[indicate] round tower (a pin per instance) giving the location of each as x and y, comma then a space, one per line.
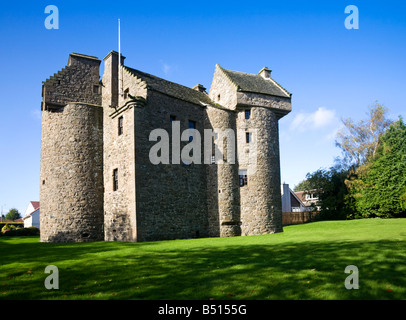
223, 188
71, 191
261, 198
71, 174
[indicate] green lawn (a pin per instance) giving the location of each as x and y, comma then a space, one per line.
303, 262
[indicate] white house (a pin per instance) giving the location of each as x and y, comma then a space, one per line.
290, 201
31, 217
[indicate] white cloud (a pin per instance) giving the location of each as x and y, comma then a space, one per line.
321, 118
167, 68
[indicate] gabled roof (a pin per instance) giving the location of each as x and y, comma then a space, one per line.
292, 193
172, 89
35, 204
255, 83
30, 214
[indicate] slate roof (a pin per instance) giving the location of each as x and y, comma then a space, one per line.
248, 82
172, 89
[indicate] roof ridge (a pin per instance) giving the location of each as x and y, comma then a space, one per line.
159, 78
171, 88
232, 73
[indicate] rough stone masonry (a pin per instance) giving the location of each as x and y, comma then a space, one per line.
98, 182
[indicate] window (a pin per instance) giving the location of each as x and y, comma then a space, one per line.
310, 196
96, 89
115, 179
247, 114
243, 178
218, 97
248, 137
120, 125
126, 91
192, 125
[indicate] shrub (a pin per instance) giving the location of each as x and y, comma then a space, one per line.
33, 231
30, 231
8, 227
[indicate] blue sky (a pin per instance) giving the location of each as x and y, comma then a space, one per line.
331, 71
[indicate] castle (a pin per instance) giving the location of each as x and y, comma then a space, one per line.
97, 178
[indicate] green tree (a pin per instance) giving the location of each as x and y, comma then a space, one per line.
380, 188
332, 192
13, 214
303, 186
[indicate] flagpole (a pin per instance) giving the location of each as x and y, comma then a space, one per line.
119, 61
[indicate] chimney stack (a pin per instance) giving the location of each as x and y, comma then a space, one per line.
265, 73
200, 88
110, 78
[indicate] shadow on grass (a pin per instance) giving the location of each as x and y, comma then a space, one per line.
111, 270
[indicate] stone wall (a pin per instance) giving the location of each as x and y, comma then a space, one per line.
222, 91
171, 198
279, 105
77, 82
119, 153
71, 192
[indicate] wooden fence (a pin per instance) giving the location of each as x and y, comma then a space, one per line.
297, 217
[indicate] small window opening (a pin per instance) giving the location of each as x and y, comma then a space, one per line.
115, 179
248, 137
192, 125
120, 125
126, 91
243, 178
247, 114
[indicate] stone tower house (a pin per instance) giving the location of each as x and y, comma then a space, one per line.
97, 178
